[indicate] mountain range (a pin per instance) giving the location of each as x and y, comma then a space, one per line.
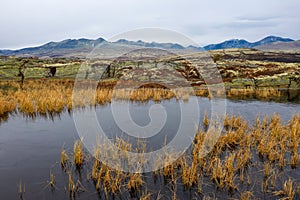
236, 43
81, 47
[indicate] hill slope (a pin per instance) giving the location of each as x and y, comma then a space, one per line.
281, 46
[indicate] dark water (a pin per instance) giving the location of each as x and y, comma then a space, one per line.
30, 148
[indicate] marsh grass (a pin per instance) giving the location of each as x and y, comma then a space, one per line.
74, 187
71, 186
64, 158
288, 190
44, 96
247, 195
242, 156
226, 165
52, 180
135, 182
21, 190
78, 153
205, 120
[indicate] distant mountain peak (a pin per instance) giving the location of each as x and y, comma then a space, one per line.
271, 39
241, 43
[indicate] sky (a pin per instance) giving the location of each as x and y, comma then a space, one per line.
36, 22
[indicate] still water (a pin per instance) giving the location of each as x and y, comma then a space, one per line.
30, 147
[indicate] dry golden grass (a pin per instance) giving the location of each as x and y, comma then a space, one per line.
288, 190
260, 93
74, 187
146, 196
53, 96
227, 165
71, 186
42, 96
267, 169
247, 195
135, 182
64, 158
205, 120
7, 104
78, 153
21, 190
52, 180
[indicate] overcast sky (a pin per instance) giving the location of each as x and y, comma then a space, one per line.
34, 22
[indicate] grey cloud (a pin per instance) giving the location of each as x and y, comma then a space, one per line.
32, 22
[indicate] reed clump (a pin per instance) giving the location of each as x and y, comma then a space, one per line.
52, 180
260, 93
74, 187
64, 158
7, 104
288, 190
135, 182
78, 153
242, 154
21, 190
247, 195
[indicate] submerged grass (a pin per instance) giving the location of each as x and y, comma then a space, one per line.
64, 158
242, 158
21, 190
78, 153
52, 180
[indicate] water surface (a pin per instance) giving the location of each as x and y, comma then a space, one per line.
30, 148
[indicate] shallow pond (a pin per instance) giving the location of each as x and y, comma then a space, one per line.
30, 147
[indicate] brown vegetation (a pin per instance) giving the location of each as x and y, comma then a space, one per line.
228, 166
44, 96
